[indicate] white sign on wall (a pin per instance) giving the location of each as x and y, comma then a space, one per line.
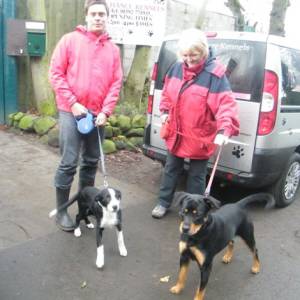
137, 22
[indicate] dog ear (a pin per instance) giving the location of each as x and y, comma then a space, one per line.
179, 197
118, 194
212, 202
101, 198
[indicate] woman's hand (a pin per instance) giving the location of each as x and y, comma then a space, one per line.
221, 139
164, 118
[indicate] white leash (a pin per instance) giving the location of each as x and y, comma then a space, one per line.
212, 175
208, 187
105, 182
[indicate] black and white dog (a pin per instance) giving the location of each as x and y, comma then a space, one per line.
104, 205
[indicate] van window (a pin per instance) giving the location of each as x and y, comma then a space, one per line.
290, 69
244, 61
167, 56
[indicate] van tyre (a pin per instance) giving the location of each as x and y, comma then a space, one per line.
285, 189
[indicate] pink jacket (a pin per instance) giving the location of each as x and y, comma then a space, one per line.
86, 68
198, 110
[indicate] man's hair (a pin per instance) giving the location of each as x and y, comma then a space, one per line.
89, 3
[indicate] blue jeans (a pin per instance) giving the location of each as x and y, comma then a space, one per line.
74, 145
196, 180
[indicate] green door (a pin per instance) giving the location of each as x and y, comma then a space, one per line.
1, 66
8, 67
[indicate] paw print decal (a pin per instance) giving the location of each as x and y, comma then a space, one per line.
238, 151
150, 33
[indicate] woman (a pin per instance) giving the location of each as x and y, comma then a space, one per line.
198, 105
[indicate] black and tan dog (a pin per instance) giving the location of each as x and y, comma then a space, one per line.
105, 206
205, 233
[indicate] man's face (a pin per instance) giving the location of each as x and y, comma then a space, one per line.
96, 18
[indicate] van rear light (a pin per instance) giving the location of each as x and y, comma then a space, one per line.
268, 110
150, 104
151, 90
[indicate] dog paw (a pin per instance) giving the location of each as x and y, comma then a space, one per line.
100, 257
226, 259
255, 270
77, 232
123, 251
90, 226
99, 263
176, 289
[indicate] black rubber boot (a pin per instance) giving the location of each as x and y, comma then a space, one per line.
63, 219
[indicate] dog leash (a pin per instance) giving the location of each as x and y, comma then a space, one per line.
205, 141
105, 182
211, 178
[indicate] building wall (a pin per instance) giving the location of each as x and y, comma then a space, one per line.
218, 21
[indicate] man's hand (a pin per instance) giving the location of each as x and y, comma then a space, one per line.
78, 109
221, 139
101, 119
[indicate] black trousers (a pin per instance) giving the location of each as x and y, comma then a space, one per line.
196, 180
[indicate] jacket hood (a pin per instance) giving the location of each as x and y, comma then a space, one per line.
212, 65
101, 38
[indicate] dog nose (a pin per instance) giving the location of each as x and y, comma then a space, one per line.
185, 228
115, 207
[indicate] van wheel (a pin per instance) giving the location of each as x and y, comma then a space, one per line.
285, 189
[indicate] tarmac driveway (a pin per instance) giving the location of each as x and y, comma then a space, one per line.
39, 262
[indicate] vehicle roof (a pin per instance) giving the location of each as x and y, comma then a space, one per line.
249, 36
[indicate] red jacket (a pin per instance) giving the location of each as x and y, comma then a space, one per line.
198, 109
86, 68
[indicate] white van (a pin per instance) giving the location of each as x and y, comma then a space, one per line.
264, 73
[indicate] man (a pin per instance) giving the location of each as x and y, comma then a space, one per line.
86, 75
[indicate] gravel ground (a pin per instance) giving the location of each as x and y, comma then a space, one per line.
127, 166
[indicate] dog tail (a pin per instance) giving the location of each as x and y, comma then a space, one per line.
53, 212
258, 198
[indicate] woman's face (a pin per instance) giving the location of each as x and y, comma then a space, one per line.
191, 57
